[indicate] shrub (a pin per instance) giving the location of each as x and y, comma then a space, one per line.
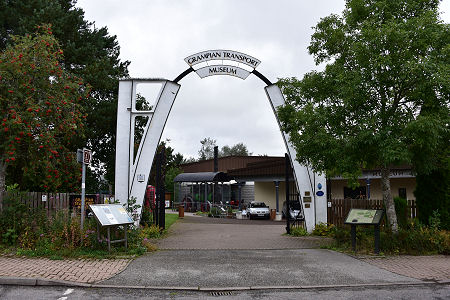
414, 239
151, 232
324, 229
433, 193
299, 231
400, 210
214, 211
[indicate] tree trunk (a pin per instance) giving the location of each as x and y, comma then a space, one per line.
387, 199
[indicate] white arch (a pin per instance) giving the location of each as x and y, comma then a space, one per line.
132, 174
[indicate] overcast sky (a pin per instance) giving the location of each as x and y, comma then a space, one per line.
156, 36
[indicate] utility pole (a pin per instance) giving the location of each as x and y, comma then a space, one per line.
84, 156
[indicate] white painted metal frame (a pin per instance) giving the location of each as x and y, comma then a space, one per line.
305, 179
132, 175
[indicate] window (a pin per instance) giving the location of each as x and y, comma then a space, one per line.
402, 193
357, 193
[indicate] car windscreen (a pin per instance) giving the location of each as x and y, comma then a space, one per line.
258, 204
295, 205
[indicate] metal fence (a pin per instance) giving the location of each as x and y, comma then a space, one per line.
338, 209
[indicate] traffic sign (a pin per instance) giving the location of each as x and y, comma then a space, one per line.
87, 156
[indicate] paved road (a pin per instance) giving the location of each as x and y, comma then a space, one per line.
429, 291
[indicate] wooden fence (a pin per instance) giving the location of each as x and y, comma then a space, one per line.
339, 208
54, 201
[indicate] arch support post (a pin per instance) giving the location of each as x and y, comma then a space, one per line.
133, 169
314, 207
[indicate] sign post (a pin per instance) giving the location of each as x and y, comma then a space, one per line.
365, 217
84, 156
111, 215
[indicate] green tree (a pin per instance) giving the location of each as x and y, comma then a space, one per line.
41, 112
172, 162
386, 60
90, 53
239, 149
207, 149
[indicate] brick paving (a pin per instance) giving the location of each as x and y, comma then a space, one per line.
434, 267
75, 270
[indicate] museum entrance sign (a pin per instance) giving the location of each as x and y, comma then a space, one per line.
133, 166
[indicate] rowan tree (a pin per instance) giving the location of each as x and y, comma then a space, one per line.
40, 112
91, 53
387, 62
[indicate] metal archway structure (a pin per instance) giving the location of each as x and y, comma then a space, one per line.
133, 169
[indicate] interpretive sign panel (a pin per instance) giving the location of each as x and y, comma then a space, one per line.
111, 214
364, 216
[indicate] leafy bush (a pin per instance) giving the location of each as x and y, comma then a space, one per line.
414, 239
400, 210
214, 212
299, 231
151, 232
324, 229
433, 193
33, 232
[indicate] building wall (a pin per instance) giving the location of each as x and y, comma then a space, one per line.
337, 188
265, 192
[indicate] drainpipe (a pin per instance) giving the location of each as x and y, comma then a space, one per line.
277, 186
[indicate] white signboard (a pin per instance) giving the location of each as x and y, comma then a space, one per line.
222, 55
222, 70
111, 214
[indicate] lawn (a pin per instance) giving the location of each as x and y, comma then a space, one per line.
170, 219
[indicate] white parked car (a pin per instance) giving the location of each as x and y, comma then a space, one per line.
258, 210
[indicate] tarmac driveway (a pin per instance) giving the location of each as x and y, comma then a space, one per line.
231, 253
194, 232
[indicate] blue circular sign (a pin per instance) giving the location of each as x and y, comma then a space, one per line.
319, 186
320, 193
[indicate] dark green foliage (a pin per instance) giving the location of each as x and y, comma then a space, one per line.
90, 53
171, 166
13, 219
414, 239
433, 194
207, 149
239, 149
400, 209
383, 97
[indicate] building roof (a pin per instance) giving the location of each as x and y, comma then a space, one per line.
225, 164
202, 177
